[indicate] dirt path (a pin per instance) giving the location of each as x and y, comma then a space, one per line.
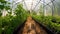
31, 27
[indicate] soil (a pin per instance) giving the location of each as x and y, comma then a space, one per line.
31, 27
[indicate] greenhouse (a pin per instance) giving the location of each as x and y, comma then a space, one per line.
29, 16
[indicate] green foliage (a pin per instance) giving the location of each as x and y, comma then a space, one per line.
47, 21
0, 25
9, 23
3, 4
0, 13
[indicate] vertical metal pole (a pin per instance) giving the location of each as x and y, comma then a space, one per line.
52, 7
43, 7
12, 6
31, 6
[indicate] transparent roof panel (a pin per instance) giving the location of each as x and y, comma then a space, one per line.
46, 6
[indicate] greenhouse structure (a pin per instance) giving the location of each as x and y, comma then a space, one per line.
29, 16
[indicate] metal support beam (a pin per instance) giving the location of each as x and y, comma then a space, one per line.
53, 7
43, 8
36, 4
25, 4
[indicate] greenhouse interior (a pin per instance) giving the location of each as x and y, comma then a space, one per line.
29, 16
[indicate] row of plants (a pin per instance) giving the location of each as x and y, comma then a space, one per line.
0, 25
9, 22
50, 22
